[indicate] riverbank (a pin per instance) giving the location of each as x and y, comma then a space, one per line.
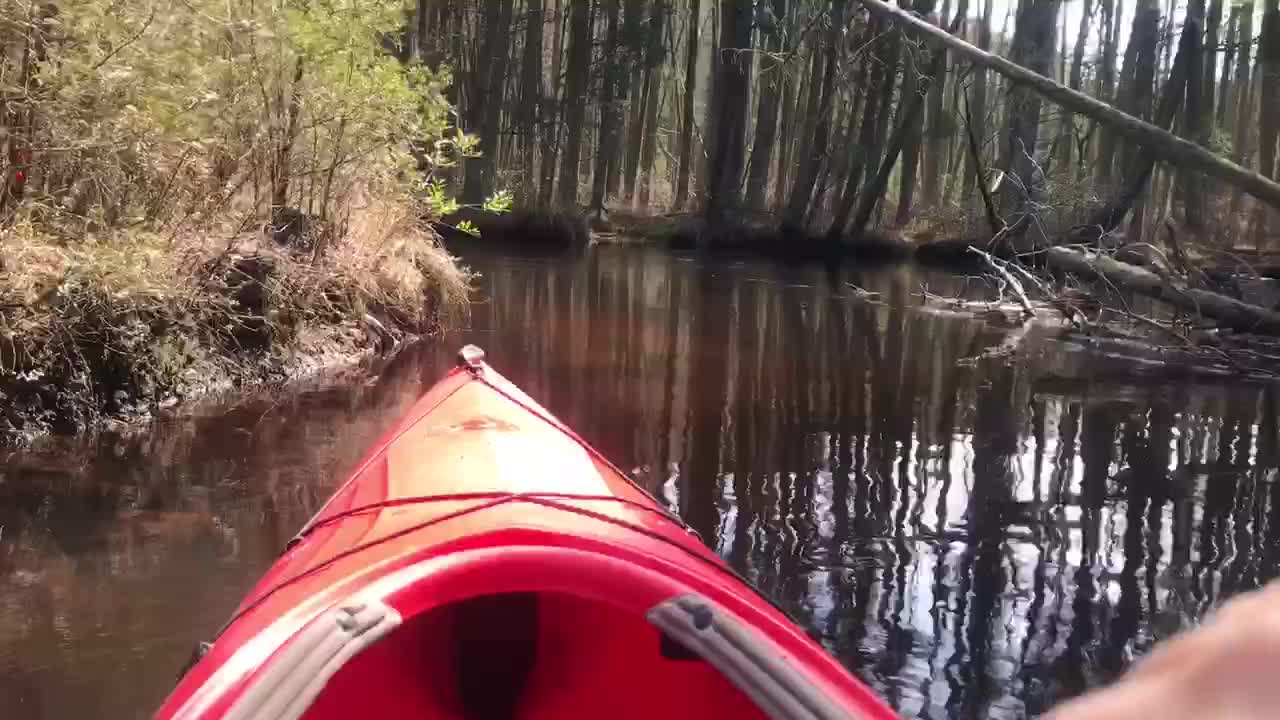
102, 331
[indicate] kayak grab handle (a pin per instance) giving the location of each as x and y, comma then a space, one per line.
752, 664
471, 358
288, 685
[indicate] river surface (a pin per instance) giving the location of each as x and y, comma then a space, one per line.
977, 524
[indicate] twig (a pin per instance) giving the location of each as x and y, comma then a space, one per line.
132, 39
1008, 278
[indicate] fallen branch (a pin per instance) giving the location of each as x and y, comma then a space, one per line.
1226, 311
1172, 149
1009, 279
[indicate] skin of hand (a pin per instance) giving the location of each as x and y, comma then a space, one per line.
1226, 668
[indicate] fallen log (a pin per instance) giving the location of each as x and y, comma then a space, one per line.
1172, 149
1226, 311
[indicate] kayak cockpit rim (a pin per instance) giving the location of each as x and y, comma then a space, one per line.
485, 501
744, 651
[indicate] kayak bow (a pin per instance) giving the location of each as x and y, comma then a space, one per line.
483, 561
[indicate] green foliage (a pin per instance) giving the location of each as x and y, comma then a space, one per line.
189, 114
438, 198
499, 202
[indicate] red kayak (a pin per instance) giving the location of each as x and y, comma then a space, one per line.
483, 561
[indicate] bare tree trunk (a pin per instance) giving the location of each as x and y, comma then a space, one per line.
914, 125
1213, 30
575, 98
610, 107
653, 58
1174, 92
980, 110
648, 149
1143, 46
817, 111
1106, 90
685, 152
908, 115
282, 171
771, 72
1245, 79
935, 157
1227, 311
1268, 109
1224, 115
806, 117
530, 98
1033, 49
1195, 124
491, 77
733, 63
1066, 126
1171, 148
710, 117
880, 73
633, 37
550, 109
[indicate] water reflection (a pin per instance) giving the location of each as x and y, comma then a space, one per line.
975, 533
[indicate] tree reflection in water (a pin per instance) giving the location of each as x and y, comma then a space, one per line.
975, 533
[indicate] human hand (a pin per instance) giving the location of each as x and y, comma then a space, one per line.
1226, 668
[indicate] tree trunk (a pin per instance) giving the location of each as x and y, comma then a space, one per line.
1171, 148
1143, 45
733, 104
1226, 311
649, 146
913, 124
653, 58
807, 169
491, 76
1223, 113
685, 151
879, 74
1268, 109
979, 115
1195, 124
1174, 92
284, 151
633, 36
1245, 79
610, 107
935, 157
1066, 127
813, 155
771, 72
1213, 30
1106, 91
550, 109
908, 114
710, 118
530, 97
575, 98
786, 123
1033, 49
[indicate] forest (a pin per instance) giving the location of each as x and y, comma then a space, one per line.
203, 194
1130, 141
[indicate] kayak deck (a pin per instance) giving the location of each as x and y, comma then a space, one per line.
485, 562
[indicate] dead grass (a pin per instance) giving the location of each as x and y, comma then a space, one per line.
137, 316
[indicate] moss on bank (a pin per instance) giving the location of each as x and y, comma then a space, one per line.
103, 328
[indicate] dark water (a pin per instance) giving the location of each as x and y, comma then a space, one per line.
977, 527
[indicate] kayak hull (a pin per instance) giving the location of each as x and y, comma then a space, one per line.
515, 573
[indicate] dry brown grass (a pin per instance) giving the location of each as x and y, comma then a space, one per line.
141, 312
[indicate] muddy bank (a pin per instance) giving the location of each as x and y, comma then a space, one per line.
114, 335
